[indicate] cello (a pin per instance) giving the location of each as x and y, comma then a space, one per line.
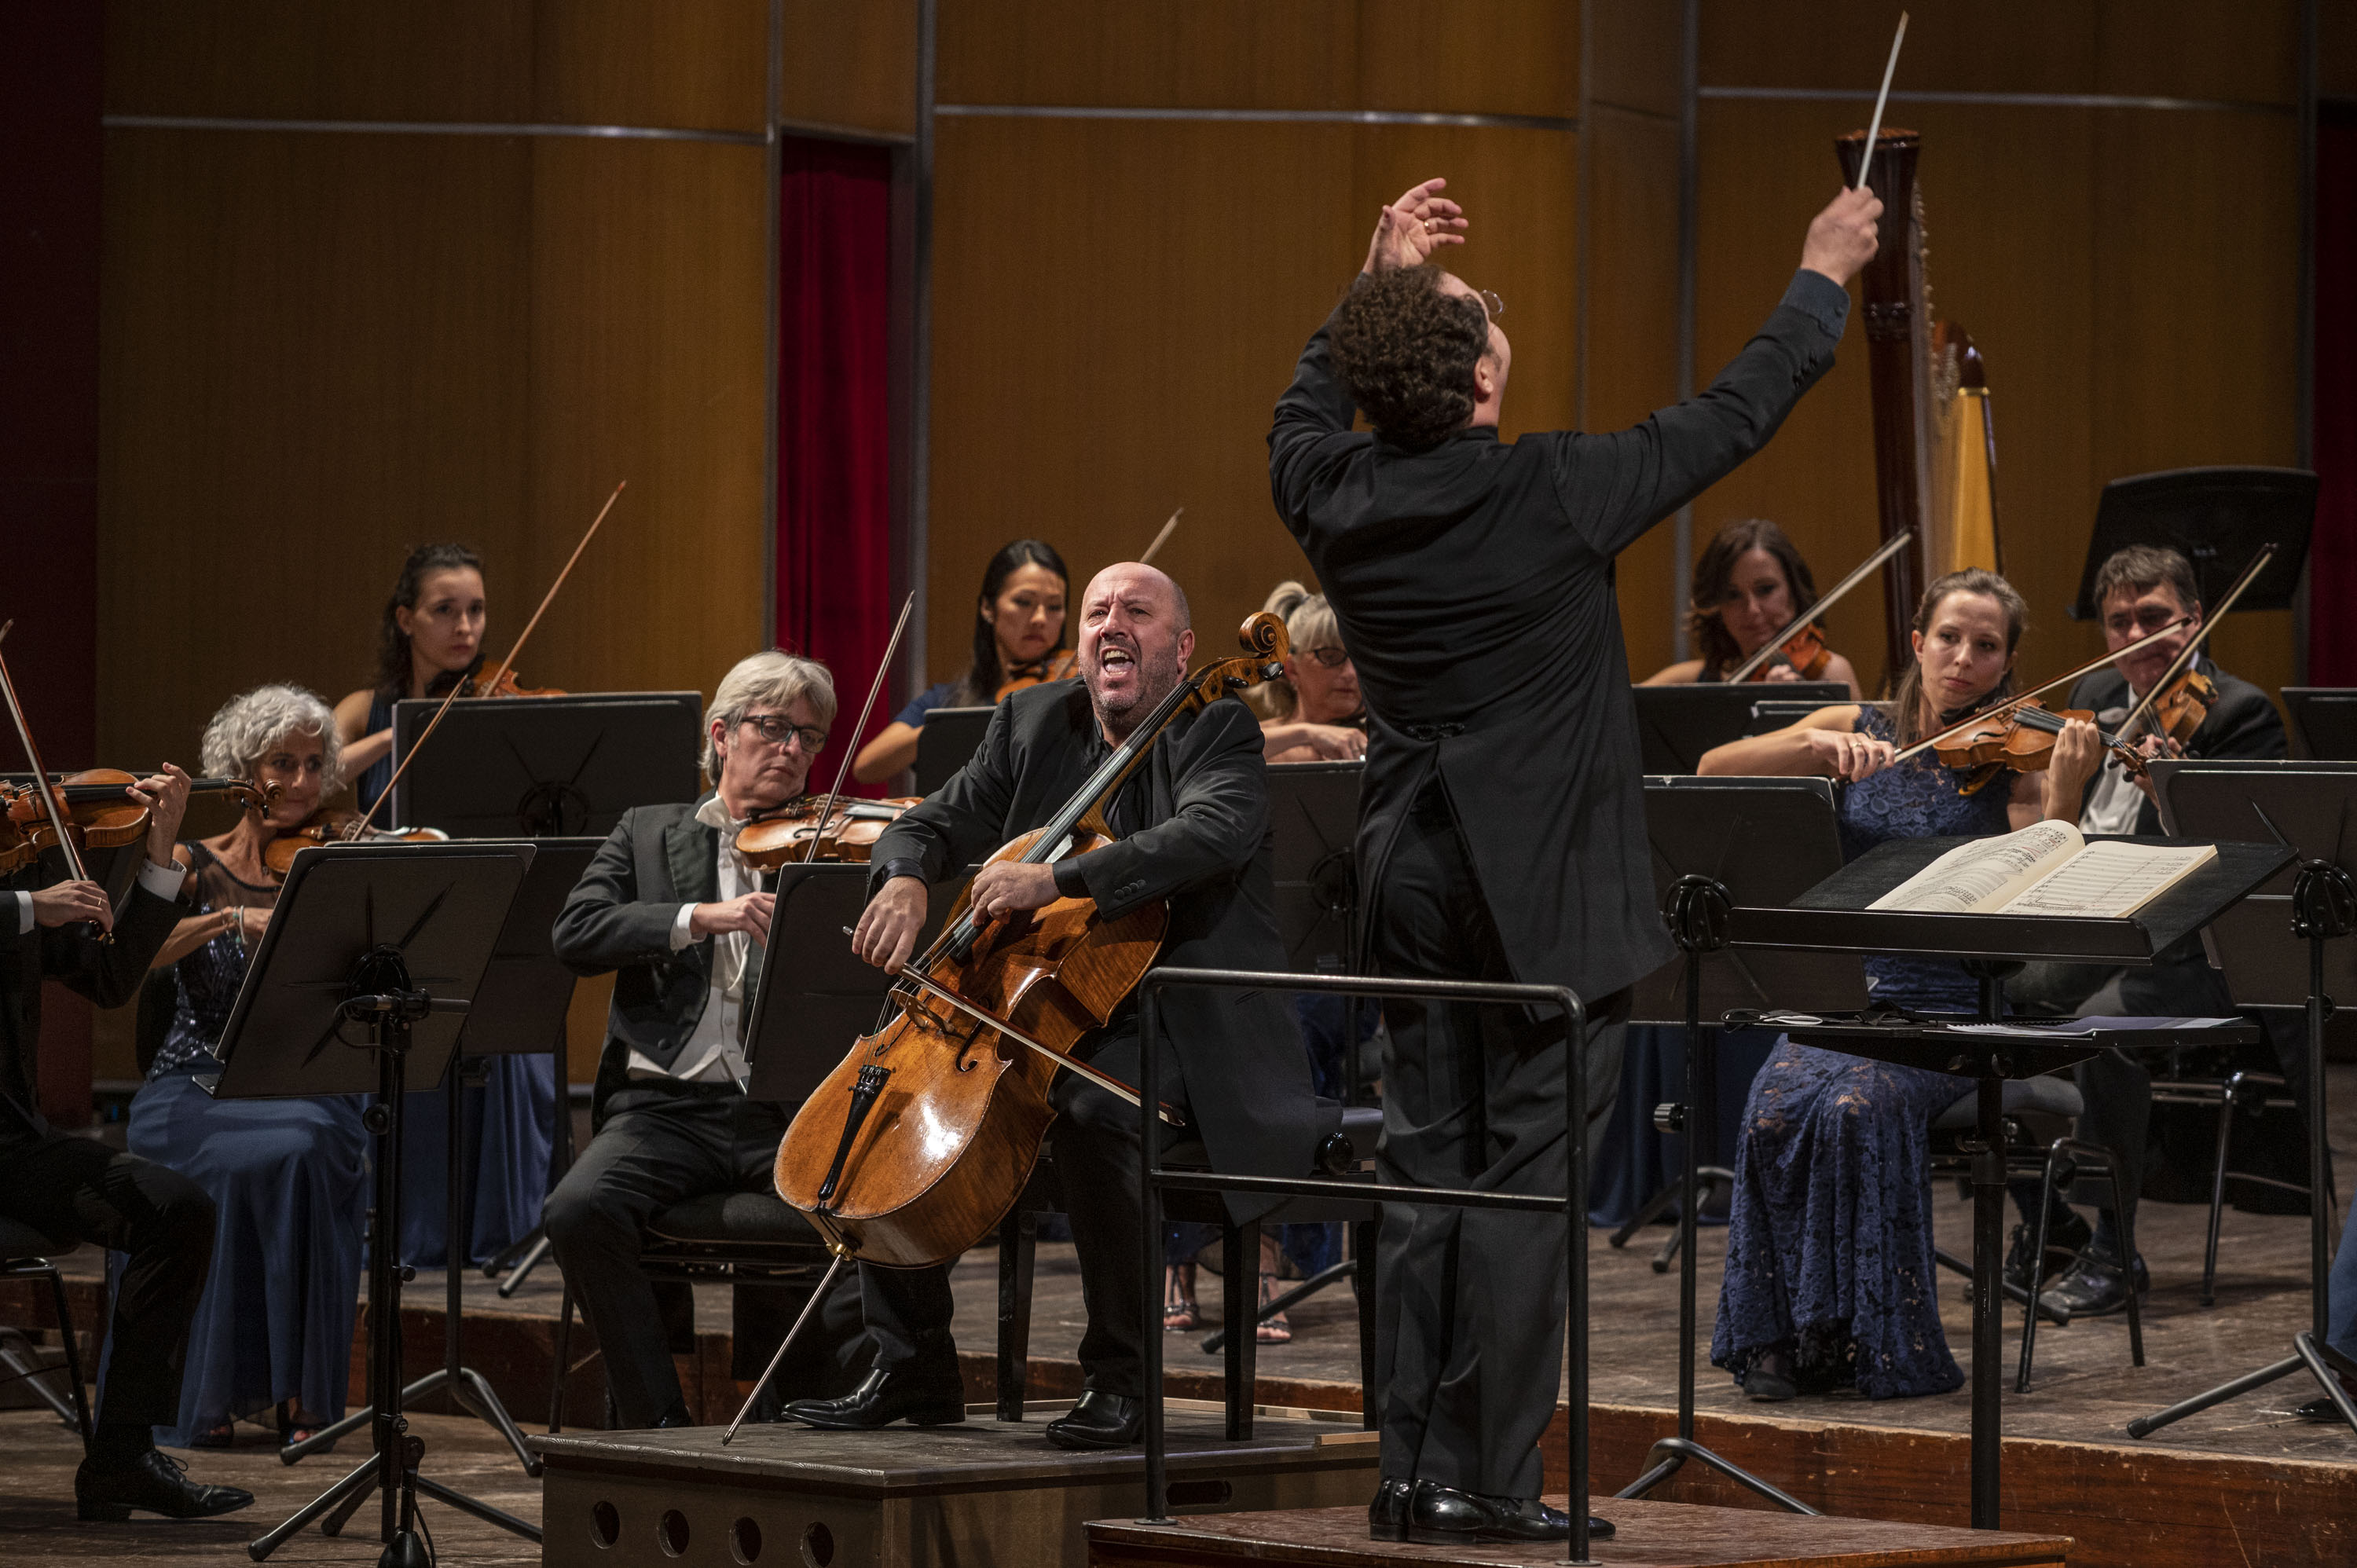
922, 1137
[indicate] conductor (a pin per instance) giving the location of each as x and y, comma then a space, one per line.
1501, 825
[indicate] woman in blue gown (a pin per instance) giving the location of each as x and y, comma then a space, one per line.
430, 637
289, 1176
1829, 1278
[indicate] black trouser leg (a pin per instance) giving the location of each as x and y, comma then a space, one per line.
909, 1312
2118, 1116
1469, 1327
1096, 1147
162, 1222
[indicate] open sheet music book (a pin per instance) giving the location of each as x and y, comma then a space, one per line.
2048, 868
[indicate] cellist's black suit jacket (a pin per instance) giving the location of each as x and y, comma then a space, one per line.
1192, 826
1474, 584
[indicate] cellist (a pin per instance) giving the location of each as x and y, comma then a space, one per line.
1192, 829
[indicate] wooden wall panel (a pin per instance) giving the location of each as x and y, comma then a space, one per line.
648, 317
1083, 388
1635, 47
1992, 45
696, 64
1189, 54
1507, 57
2244, 53
851, 65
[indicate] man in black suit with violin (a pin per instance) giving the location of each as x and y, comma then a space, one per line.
1501, 825
1192, 828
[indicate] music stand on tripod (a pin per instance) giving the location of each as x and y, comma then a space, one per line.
518, 1008
545, 766
1717, 842
392, 938
2272, 949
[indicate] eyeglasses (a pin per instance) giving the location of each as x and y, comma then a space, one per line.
778, 730
1497, 306
1331, 658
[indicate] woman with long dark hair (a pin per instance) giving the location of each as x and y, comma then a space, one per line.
1749, 582
431, 636
1018, 641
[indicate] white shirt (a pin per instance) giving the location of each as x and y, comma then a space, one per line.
164, 881
715, 1053
2114, 801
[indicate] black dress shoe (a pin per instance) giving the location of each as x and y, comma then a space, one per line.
2066, 1235
1387, 1515
2322, 1408
921, 1397
2096, 1286
1100, 1421
152, 1482
1444, 1516
1770, 1378
673, 1418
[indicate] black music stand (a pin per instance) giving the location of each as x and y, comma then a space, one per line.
2261, 946
1717, 842
1675, 724
393, 938
1771, 713
546, 766
815, 995
1833, 916
2324, 721
950, 737
518, 1008
2215, 518
1313, 812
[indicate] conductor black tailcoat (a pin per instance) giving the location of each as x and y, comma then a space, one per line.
1474, 584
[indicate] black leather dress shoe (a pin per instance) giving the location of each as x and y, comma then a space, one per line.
1442, 1516
920, 1397
2066, 1234
151, 1483
2096, 1286
1387, 1515
2321, 1407
1100, 1419
673, 1418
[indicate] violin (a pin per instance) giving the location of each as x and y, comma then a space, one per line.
2022, 738
924, 1134
1061, 665
1805, 652
2181, 705
326, 826
1801, 643
504, 684
95, 811
775, 837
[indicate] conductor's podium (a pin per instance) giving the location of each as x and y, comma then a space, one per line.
984, 1493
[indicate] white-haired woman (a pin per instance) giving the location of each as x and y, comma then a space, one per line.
1315, 713
273, 1330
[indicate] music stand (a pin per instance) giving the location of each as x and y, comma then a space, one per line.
1771, 713
546, 766
394, 938
1834, 917
518, 1007
949, 738
2215, 518
2324, 718
815, 995
1715, 842
1675, 724
2261, 946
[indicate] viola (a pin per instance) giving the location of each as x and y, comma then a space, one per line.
848, 832
1061, 665
326, 826
923, 1135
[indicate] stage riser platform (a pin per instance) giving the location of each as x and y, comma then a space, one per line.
986, 1495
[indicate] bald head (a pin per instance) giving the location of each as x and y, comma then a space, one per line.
1134, 640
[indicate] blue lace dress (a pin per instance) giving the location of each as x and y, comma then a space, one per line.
1829, 1241
289, 1178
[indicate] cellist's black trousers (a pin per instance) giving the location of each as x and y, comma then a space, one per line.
1094, 1144
1468, 1324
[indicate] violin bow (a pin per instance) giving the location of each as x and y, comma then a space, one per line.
843, 771
1874, 126
1148, 559
1864, 569
505, 664
2006, 708
41, 777
2142, 712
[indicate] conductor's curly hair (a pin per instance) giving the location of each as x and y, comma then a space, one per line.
1406, 351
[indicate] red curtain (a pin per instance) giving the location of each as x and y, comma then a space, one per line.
2332, 558
833, 588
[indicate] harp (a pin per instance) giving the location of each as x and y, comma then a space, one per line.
1934, 444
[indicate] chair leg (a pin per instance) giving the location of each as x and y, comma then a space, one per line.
1363, 1255
1239, 1308
73, 1354
2217, 1193
2046, 1185
556, 1376
2124, 1208
1018, 1253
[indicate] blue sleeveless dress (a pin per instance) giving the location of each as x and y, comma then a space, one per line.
1829, 1239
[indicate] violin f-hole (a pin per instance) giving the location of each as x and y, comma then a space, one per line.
870, 1084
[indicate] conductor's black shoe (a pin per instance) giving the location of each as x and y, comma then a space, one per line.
2096, 1286
919, 1396
1443, 1516
1100, 1419
152, 1482
1387, 1515
677, 1416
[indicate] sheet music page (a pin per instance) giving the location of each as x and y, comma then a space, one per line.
1977, 878
2110, 879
